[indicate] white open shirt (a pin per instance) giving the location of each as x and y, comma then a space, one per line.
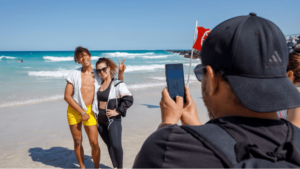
75, 78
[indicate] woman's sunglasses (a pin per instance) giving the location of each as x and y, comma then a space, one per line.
100, 70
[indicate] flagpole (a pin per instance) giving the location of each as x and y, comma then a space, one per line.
192, 52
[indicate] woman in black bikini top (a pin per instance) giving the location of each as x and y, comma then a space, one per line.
114, 99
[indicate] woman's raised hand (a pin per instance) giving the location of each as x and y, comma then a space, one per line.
122, 66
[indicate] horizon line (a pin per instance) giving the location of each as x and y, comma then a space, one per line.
89, 50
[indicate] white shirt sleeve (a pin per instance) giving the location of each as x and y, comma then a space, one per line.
123, 90
71, 77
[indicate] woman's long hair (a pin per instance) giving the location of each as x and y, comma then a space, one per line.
294, 64
109, 63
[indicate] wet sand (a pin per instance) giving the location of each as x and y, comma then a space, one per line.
38, 135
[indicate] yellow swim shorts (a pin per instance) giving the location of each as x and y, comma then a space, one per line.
74, 117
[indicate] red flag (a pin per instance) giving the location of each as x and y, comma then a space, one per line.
202, 34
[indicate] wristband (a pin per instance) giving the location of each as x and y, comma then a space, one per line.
82, 113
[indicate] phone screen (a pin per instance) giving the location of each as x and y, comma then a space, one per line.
175, 80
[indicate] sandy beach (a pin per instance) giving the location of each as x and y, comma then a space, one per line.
38, 136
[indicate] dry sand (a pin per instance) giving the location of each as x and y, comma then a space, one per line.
38, 135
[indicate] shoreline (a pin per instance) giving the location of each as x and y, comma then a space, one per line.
37, 135
144, 86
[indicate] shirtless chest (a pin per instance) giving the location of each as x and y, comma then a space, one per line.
87, 88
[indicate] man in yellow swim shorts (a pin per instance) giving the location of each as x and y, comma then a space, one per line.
80, 95
74, 117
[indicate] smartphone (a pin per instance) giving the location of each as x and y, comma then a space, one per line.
175, 80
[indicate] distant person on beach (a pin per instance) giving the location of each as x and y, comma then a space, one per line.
114, 99
244, 83
21, 60
82, 84
18, 60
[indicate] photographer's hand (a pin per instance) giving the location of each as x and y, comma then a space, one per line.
171, 111
189, 115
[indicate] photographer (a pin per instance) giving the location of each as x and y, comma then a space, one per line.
244, 83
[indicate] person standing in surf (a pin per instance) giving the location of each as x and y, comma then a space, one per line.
80, 95
114, 99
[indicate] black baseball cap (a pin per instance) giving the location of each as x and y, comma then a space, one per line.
253, 54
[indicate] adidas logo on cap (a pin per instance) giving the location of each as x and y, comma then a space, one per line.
274, 61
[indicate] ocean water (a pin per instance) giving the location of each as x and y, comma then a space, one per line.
41, 77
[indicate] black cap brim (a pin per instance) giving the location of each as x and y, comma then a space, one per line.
265, 94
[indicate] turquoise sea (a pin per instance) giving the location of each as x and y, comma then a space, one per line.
41, 77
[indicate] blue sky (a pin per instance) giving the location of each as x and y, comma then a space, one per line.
126, 24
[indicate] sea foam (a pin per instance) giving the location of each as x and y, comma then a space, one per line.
125, 54
149, 55
193, 64
31, 101
192, 78
65, 73
155, 57
57, 73
7, 57
143, 68
149, 85
62, 59
145, 85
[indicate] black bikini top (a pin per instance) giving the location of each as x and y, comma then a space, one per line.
103, 95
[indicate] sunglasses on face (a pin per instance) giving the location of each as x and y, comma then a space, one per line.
100, 70
199, 71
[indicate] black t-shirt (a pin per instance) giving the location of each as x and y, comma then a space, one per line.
173, 147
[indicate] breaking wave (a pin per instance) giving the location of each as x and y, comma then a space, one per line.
31, 101
149, 55
125, 54
143, 68
57, 73
193, 64
145, 85
62, 59
7, 57
65, 73
192, 78
155, 57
